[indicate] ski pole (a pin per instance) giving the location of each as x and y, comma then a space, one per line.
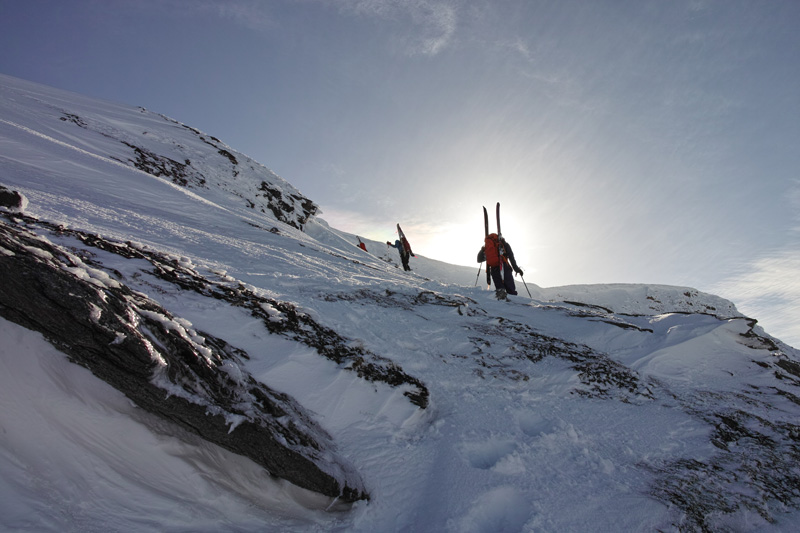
479, 274
526, 285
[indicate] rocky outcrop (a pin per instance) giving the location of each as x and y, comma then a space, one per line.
185, 376
278, 317
194, 160
12, 200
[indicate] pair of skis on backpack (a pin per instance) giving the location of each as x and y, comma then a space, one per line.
404, 241
501, 292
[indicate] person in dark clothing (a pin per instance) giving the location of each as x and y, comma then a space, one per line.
500, 263
404, 253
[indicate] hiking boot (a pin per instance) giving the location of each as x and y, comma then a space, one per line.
500, 294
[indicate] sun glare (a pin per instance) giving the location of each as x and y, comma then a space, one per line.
458, 242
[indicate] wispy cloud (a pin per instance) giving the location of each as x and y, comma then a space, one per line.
768, 289
434, 21
770, 292
248, 14
425, 27
251, 14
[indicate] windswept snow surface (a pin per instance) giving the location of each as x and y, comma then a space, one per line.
575, 410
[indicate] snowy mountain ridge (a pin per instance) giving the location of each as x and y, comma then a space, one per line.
609, 407
158, 146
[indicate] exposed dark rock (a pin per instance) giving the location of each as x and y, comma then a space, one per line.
603, 314
190, 378
756, 467
790, 366
280, 318
600, 376
590, 306
75, 119
228, 155
292, 209
180, 173
12, 200
392, 299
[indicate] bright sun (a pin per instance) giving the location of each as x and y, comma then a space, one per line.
458, 242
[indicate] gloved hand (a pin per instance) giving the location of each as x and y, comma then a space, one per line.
518, 270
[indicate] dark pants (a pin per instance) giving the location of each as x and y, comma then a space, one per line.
404, 256
504, 281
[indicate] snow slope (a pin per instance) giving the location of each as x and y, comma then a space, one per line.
583, 408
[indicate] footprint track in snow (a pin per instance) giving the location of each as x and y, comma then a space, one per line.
534, 425
503, 454
488, 453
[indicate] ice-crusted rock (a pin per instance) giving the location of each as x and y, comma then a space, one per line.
188, 377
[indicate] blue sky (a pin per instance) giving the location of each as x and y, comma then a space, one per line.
627, 141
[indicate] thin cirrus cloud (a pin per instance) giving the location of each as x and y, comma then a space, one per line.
248, 13
769, 287
435, 21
